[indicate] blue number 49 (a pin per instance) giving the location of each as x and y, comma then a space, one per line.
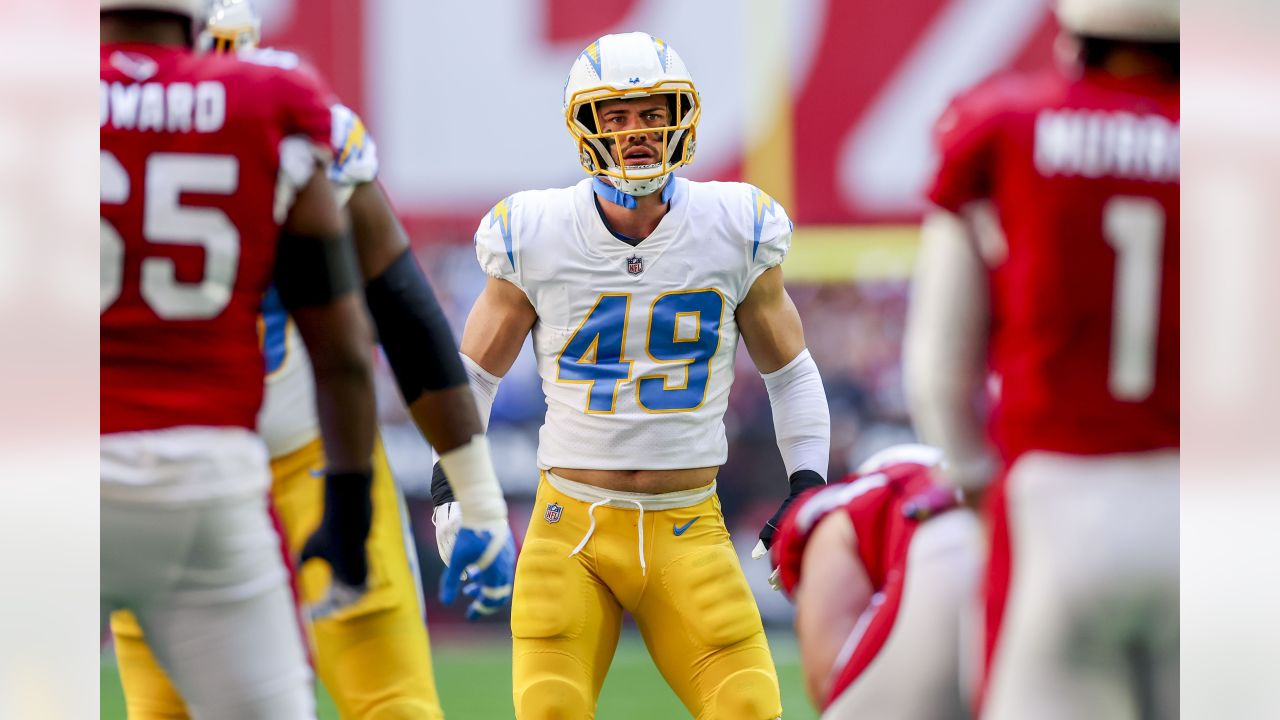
683, 328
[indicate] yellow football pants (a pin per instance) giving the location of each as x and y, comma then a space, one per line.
691, 602
373, 657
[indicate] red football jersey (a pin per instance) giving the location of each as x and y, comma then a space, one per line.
875, 504
1083, 176
190, 168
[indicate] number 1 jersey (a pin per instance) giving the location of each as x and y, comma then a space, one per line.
635, 344
1072, 185
201, 157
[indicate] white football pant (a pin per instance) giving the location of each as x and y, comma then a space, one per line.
205, 574
916, 674
1090, 628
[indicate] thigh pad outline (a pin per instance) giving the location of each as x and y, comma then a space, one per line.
712, 596
547, 599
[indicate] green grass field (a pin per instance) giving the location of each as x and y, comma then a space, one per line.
475, 683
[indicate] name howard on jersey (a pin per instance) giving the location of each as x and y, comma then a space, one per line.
163, 107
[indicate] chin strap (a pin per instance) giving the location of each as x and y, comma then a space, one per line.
605, 189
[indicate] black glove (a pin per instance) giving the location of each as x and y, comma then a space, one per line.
340, 539
801, 480
441, 491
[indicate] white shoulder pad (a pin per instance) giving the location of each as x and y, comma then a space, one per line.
355, 157
270, 57
298, 160
770, 231
496, 244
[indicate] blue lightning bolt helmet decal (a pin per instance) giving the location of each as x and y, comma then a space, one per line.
660, 47
592, 53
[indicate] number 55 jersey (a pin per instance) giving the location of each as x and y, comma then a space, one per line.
635, 344
201, 158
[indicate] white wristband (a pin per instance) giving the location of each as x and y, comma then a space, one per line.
475, 485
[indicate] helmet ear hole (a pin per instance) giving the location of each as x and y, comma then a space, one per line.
587, 118
680, 105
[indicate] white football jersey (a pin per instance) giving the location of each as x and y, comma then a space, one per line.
635, 345
288, 419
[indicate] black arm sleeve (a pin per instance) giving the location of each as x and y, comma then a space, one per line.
313, 271
413, 330
441, 491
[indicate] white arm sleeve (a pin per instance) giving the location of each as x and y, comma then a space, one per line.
945, 349
801, 419
484, 388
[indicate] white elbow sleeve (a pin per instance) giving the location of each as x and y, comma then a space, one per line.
801, 419
484, 388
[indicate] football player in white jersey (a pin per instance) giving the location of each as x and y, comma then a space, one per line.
371, 647
636, 285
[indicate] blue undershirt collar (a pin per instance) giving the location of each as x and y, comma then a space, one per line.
605, 189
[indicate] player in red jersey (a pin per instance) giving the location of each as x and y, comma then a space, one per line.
372, 654
880, 566
213, 187
1049, 275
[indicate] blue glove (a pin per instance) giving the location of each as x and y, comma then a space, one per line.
488, 559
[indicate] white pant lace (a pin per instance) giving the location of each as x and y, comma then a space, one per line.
616, 498
591, 513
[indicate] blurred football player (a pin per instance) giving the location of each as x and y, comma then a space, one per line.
212, 189
882, 566
636, 285
1051, 262
372, 653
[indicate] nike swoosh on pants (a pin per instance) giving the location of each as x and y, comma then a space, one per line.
679, 529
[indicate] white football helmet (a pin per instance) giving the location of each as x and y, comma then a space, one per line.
926, 455
232, 26
1140, 20
193, 9
630, 65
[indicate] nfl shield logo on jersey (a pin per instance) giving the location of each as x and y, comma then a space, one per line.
553, 512
635, 265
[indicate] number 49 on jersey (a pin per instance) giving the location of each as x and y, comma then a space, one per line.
682, 333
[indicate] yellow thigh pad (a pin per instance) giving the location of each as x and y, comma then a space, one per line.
548, 592
564, 620
715, 657
714, 600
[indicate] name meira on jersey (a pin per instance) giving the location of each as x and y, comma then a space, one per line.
635, 344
